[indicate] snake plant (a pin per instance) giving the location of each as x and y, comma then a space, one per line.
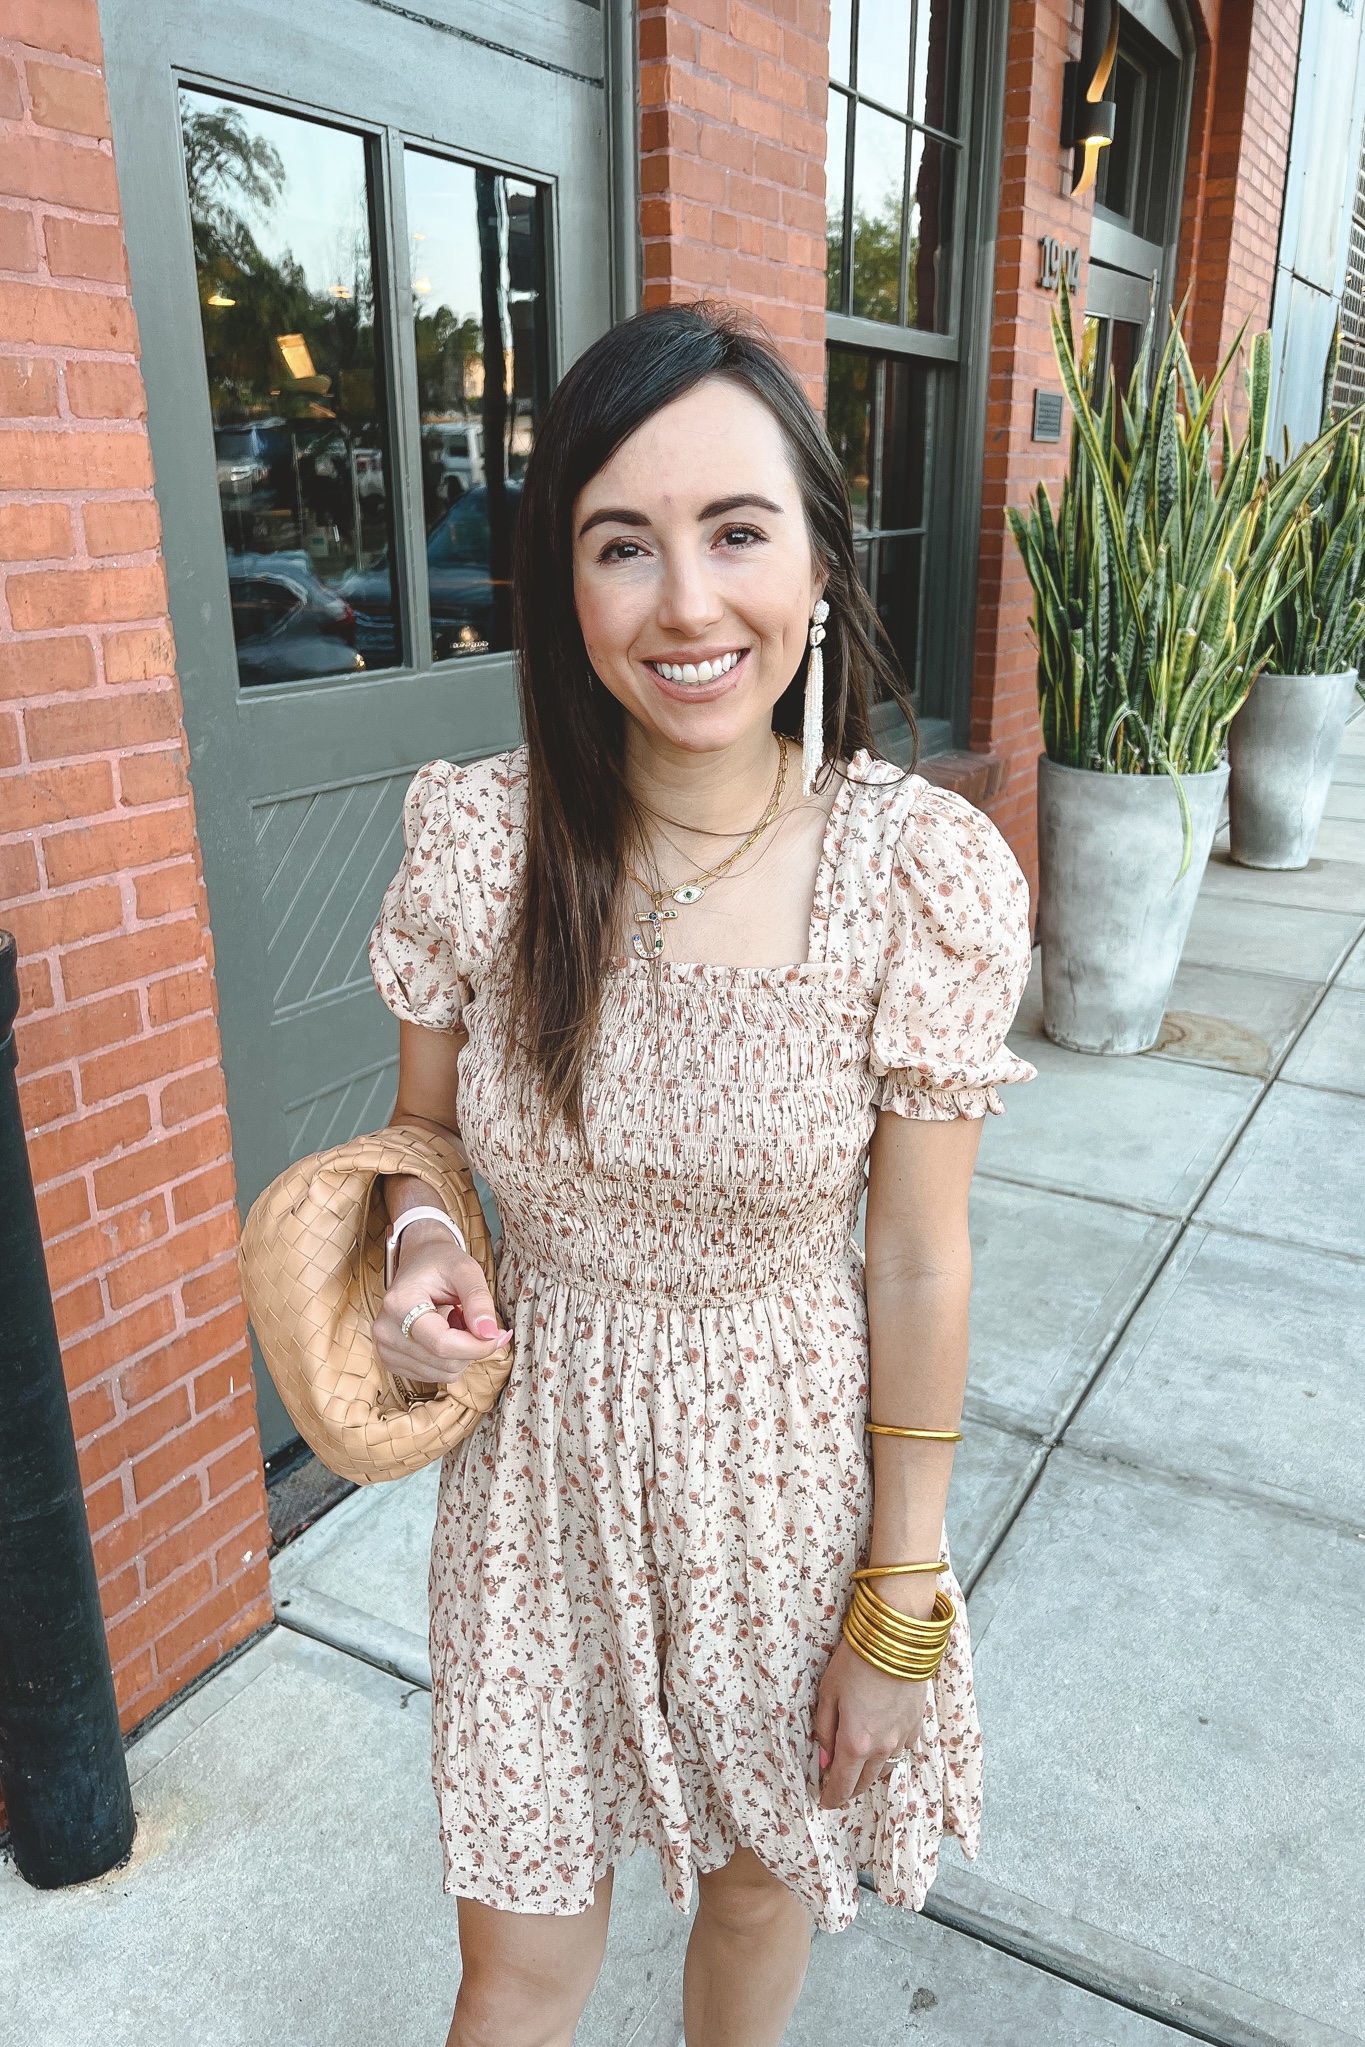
1154, 581
1318, 625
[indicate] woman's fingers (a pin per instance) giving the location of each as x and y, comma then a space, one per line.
459, 1327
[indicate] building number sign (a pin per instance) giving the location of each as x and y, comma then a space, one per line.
1055, 262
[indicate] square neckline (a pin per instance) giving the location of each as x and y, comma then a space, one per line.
817, 929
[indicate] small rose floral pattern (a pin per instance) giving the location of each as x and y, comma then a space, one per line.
643, 1555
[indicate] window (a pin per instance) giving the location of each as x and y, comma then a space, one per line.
893, 168
877, 425
296, 337
1136, 196
892, 159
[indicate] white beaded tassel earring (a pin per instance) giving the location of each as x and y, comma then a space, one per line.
813, 726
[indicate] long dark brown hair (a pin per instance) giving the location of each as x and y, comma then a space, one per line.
583, 824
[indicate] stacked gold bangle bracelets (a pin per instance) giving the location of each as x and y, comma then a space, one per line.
896, 1643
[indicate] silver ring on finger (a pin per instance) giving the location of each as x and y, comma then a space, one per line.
422, 1308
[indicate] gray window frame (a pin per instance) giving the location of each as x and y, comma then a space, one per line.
956, 454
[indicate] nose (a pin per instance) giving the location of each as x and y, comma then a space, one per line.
689, 601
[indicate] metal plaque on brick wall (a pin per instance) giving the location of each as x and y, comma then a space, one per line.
1047, 415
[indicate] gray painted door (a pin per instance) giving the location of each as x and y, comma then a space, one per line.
363, 241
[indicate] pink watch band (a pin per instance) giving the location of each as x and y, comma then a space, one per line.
417, 1215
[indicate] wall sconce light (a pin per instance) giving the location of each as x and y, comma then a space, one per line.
1087, 116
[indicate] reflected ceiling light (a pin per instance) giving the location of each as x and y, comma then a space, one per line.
339, 291
297, 358
422, 284
1087, 116
220, 298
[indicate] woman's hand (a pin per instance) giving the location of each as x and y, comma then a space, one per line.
862, 1720
439, 1347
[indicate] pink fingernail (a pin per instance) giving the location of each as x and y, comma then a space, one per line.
824, 1760
485, 1326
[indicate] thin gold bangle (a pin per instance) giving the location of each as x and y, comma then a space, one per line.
895, 1570
914, 1435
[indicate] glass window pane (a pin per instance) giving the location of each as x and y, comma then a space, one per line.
905, 439
897, 598
878, 198
835, 158
481, 336
280, 214
840, 39
938, 64
884, 52
928, 294
851, 389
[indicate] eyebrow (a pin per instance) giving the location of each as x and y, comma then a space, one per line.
622, 515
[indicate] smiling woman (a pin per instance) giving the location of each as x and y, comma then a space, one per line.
682, 1005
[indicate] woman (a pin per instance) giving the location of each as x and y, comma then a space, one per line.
681, 1009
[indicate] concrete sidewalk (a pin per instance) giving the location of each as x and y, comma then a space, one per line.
1159, 1513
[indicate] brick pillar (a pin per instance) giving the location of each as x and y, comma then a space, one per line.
1240, 123
732, 162
1035, 200
100, 880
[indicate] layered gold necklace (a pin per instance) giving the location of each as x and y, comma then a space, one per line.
650, 944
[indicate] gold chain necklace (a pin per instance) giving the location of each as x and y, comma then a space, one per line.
692, 891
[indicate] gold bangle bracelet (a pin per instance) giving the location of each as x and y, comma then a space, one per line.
916, 1669
896, 1644
931, 1637
914, 1435
895, 1570
905, 1625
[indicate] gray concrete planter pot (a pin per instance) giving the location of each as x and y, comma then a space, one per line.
1282, 745
1112, 917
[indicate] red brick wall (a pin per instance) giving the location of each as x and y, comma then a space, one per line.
732, 162
1239, 143
121, 1082
1034, 201
1240, 125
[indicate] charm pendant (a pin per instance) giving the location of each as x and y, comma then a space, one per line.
649, 949
690, 892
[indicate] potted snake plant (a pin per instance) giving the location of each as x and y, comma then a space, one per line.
1152, 584
1283, 742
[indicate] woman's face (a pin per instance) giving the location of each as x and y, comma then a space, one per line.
694, 575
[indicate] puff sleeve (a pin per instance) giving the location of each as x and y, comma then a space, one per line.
418, 953
957, 958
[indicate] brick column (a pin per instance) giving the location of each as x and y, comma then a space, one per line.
100, 880
733, 100
1035, 200
1240, 123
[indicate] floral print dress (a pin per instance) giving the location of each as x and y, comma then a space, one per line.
642, 1557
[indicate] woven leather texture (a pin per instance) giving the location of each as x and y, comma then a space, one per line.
312, 1266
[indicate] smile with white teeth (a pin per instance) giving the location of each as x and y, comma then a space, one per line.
700, 671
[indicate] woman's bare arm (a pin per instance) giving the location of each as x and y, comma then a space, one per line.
430, 1264
919, 1280
919, 1275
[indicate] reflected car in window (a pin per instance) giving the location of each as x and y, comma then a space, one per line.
288, 626
459, 576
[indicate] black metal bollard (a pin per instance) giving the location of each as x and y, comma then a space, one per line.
62, 1770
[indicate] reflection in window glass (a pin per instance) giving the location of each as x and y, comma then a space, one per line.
931, 213
840, 39
904, 441
835, 157
884, 51
280, 213
896, 593
479, 327
878, 197
848, 420
938, 41
878, 423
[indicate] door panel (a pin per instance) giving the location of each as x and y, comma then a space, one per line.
305, 467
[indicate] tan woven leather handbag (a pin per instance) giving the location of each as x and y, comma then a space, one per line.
312, 1265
